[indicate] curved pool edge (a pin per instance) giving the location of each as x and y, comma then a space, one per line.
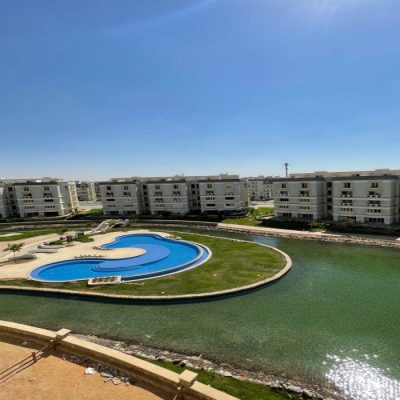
189, 296
134, 278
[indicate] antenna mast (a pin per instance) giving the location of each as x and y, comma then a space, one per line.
286, 169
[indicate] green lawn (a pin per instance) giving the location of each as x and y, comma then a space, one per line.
234, 387
28, 234
250, 218
233, 264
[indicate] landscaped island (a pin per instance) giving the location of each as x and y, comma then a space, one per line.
234, 265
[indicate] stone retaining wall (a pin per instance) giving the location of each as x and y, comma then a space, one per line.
152, 377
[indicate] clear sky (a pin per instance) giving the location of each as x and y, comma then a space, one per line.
96, 89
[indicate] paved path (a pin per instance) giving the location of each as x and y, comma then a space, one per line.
259, 229
52, 378
29, 243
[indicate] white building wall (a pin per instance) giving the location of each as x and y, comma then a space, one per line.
39, 199
4, 207
372, 199
171, 197
223, 195
86, 191
260, 189
70, 197
121, 198
295, 198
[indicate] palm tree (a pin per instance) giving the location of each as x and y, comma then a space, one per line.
16, 247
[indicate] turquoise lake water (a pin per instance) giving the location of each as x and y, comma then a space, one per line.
335, 316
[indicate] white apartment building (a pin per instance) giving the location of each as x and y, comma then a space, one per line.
44, 198
223, 195
177, 195
167, 196
366, 199
86, 191
364, 196
121, 197
260, 188
300, 198
4, 206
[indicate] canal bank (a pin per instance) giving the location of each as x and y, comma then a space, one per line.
339, 303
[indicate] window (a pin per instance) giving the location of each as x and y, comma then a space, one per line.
209, 186
108, 187
283, 186
126, 187
304, 185
26, 189
176, 187
374, 185
347, 185
46, 188
157, 187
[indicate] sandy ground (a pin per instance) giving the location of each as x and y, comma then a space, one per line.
10, 234
29, 242
52, 378
22, 269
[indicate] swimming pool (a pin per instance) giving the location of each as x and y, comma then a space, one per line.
162, 256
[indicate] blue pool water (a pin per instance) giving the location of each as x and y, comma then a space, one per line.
162, 256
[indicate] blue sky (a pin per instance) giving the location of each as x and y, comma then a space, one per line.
95, 89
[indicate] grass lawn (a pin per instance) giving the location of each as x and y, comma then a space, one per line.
233, 264
29, 234
234, 387
250, 218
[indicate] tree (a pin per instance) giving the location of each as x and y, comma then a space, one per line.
349, 223
15, 248
317, 226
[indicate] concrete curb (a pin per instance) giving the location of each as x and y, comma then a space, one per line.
255, 285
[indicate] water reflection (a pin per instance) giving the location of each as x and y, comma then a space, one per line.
359, 380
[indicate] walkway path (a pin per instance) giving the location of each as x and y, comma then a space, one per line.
52, 378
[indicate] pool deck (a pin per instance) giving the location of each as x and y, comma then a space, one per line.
22, 269
53, 378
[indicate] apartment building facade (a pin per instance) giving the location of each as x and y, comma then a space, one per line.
170, 197
366, 199
43, 198
121, 197
260, 188
4, 206
363, 196
86, 191
181, 195
300, 198
223, 195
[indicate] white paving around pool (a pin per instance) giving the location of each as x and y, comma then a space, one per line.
19, 270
